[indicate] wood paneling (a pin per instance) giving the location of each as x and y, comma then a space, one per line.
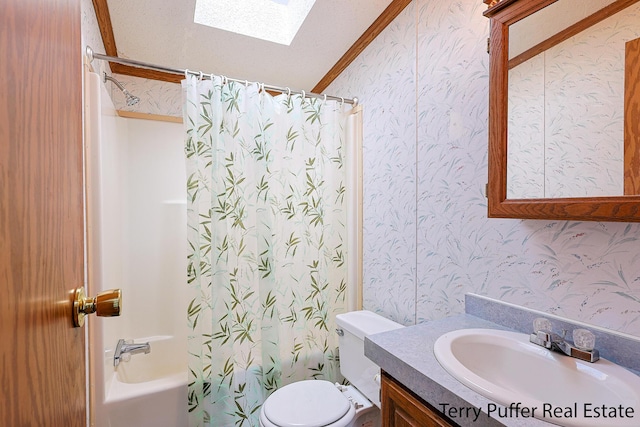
41, 213
128, 70
145, 116
106, 28
632, 118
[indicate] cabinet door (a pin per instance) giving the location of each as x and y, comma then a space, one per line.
400, 408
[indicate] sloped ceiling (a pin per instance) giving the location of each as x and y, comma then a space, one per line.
163, 32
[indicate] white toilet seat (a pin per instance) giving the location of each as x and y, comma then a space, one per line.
311, 403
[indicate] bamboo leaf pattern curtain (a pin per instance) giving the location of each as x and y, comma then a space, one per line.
267, 259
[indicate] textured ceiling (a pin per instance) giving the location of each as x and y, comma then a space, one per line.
162, 32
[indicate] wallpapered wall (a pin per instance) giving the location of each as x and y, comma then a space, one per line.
156, 97
428, 241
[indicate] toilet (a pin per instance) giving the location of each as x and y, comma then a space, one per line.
319, 403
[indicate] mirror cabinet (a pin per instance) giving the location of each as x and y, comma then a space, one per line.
564, 109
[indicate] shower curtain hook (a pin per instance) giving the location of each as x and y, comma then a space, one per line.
324, 99
288, 92
246, 83
303, 95
341, 101
186, 73
261, 88
200, 76
212, 77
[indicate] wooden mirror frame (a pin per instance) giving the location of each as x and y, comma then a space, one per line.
617, 208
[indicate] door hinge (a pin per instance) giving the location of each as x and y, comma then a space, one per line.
488, 44
486, 190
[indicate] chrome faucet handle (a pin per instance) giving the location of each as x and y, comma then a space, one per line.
541, 338
583, 347
584, 339
542, 334
541, 324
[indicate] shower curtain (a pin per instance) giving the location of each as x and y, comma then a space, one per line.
267, 253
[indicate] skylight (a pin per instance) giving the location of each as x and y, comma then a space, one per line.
276, 21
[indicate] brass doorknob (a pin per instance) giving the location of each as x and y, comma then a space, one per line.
105, 304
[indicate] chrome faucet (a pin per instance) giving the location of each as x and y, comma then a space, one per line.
125, 348
581, 348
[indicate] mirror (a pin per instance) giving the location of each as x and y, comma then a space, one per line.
566, 103
563, 138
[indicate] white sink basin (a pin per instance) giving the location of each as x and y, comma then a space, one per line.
505, 367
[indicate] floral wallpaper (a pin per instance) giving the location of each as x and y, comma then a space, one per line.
389, 162
428, 241
156, 97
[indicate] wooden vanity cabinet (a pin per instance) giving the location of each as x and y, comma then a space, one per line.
402, 408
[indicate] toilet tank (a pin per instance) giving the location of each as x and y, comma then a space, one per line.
354, 365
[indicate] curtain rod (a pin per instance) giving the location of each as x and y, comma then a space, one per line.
139, 64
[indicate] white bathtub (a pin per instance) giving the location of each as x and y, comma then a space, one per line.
150, 390
157, 403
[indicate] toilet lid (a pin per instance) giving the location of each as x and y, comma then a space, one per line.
306, 403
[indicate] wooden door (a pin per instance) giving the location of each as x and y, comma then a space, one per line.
42, 368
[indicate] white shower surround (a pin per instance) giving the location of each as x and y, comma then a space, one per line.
136, 241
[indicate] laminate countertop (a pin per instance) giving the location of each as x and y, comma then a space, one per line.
407, 355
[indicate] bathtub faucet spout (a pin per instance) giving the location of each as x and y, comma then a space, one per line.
125, 348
